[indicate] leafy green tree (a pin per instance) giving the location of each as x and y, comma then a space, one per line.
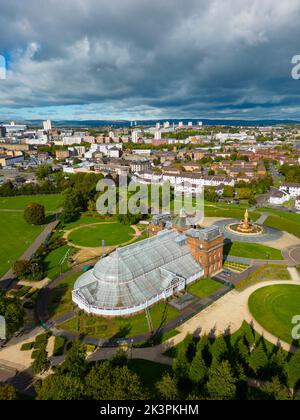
258, 358
219, 348
241, 351
8, 393
60, 387
14, 316
34, 214
249, 335
294, 370
181, 365
41, 362
75, 361
221, 382
210, 195
228, 191
167, 388
106, 382
278, 365
275, 390
198, 369
43, 171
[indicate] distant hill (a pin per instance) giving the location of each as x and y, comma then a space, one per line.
125, 123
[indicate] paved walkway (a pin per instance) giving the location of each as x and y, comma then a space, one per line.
9, 276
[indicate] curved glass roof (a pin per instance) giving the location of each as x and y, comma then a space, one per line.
135, 274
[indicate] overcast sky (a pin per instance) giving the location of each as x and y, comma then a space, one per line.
132, 59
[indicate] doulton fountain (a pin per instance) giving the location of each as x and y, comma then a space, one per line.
245, 227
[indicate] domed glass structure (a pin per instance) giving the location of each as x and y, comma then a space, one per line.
137, 276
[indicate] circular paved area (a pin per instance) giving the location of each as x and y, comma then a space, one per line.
294, 253
269, 235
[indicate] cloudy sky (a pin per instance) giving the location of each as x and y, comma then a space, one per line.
132, 59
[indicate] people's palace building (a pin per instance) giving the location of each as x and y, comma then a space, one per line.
137, 276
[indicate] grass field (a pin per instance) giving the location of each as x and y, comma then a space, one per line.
229, 213
204, 288
88, 219
61, 297
92, 236
51, 202
53, 262
120, 327
265, 273
254, 251
274, 307
15, 237
284, 224
293, 217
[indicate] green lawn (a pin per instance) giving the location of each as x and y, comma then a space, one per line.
254, 251
203, 288
92, 236
274, 307
15, 237
53, 261
61, 297
51, 202
265, 273
229, 213
293, 217
284, 224
88, 219
120, 327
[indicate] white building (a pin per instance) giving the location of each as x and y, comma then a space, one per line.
134, 136
70, 141
157, 135
278, 198
297, 203
293, 189
47, 125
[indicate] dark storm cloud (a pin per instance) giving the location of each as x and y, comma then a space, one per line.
152, 58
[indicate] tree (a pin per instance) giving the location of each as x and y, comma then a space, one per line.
75, 361
197, 369
71, 207
294, 370
167, 388
60, 387
211, 195
43, 171
181, 365
14, 316
221, 383
228, 191
34, 214
258, 358
219, 348
278, 365
275, 390
245, 193
106, 382
8, 393
28, 269
242, 351
41, 362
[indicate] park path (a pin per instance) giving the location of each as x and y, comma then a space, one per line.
8, 277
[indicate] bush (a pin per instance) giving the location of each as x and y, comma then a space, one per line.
27, 346
59, 345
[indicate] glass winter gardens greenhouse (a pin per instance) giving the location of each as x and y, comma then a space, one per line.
137, 276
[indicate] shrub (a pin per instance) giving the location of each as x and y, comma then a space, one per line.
27, 346
59, 345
